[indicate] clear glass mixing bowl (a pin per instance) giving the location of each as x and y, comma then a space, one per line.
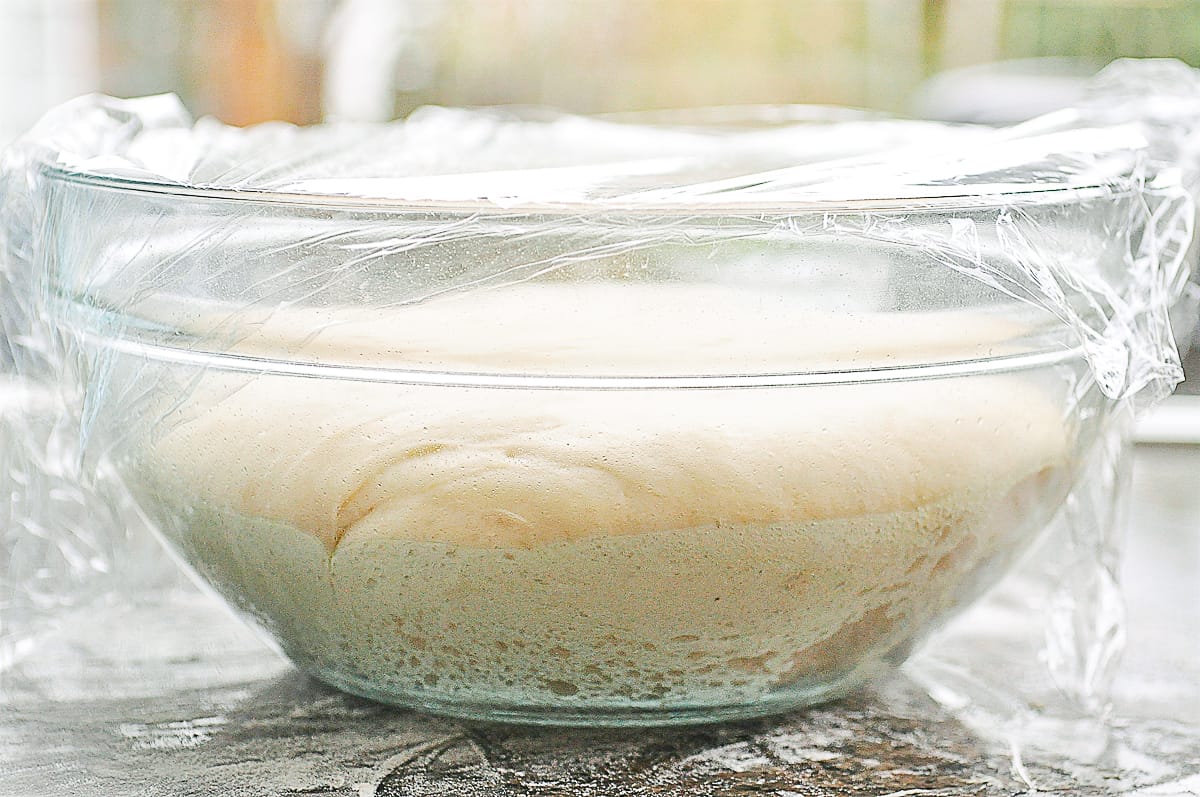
578, 465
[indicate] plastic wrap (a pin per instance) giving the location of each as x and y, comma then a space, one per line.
1165, 97
1086, 218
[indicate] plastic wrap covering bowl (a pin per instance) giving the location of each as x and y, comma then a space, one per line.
631, 443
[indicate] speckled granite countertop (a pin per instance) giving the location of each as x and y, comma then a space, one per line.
174, 697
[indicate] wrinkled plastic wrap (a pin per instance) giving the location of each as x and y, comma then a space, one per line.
1087, 216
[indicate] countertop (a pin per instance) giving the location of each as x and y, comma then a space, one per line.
168, 694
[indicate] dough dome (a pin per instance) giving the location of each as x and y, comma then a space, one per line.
606, 546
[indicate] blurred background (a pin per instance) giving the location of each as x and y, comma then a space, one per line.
247, 61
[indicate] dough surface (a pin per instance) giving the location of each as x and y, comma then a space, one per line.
608, 545
607, 328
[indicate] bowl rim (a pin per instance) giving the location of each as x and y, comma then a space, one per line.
937, 198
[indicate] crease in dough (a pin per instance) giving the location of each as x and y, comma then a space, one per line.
575, 464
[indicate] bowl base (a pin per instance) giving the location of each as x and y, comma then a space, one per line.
595, 715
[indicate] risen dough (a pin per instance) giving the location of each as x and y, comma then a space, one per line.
542, 545
608, 328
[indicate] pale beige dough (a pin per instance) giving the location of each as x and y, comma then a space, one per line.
606, 328
628, 544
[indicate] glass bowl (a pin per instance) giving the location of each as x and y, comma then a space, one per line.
580, 465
